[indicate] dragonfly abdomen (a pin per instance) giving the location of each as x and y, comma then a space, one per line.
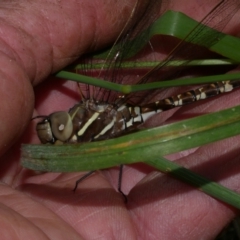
191, 96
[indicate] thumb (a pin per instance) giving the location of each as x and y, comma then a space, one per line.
41, 37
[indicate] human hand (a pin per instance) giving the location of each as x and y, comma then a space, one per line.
43, 206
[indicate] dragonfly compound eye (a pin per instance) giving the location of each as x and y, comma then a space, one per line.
61, 124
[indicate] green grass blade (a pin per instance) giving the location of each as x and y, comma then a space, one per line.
183, 82
179, 25
125, 89
173, 63
137, 147
205, 185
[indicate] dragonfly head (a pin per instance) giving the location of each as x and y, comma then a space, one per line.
57, 126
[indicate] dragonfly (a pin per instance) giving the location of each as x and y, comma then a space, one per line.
104, 114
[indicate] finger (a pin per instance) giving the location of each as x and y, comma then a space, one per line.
22, 217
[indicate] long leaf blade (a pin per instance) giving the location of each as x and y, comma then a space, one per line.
137, 147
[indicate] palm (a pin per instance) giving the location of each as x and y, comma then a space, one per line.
45, 206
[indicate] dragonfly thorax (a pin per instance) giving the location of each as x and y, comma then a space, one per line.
87, 121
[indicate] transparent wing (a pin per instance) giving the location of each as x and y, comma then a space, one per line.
133, 37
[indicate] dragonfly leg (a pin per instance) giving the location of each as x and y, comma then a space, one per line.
120, 183
81, 179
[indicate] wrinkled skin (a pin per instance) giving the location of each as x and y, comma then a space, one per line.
41, 37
